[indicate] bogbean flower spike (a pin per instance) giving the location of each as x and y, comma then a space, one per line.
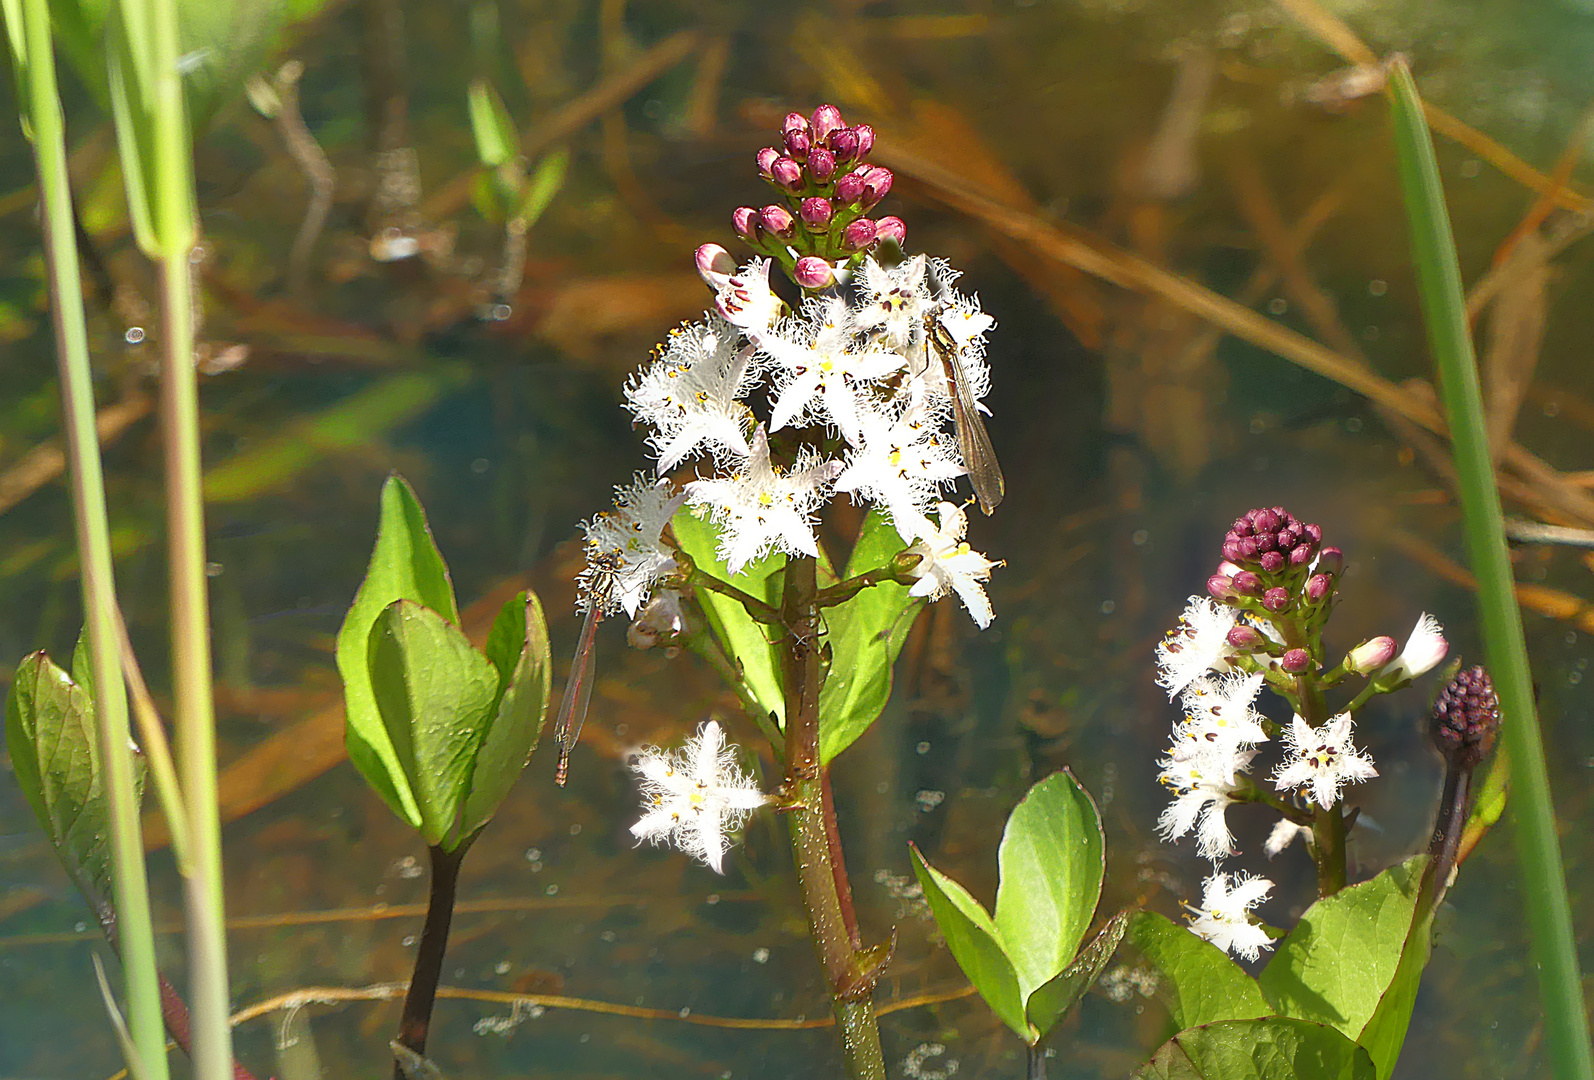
859, 404
1261, 624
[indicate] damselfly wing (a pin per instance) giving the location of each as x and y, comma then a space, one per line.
597, 590
974, 442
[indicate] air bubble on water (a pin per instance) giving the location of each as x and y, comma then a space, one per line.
1377, 287
686, 1010
1278, 305
607, 937
711, 899
760, 955
552, 890
1139, 537
922, 749
575, 830
1109, 606
929, 800
533, 854
914, 1065
408, 941
501, 968
480, 465
134, 335
408, 867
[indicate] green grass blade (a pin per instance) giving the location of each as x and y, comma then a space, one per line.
1538, 850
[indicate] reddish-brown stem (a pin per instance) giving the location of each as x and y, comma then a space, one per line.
838, 863
175, 1013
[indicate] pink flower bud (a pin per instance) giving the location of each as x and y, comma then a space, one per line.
1370, 655
798, 143
1245, 638
827, 118
714, 264
849, 189
1295, 661
845, 144
890, 228
865, 135
1265, 521
795, 121
787, 173
1302, 554
778, 220
1276, 599
821, 164
744, 219
876, 186
1330, 560
1221, 587
1272, 561
1247, 584
812, 272
1318, 586
1234, 550
815, 212
858, 235
766, 161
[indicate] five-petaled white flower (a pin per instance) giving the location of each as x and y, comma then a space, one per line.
1323, 758
1424, 649
692, 395
745, 298
1201, 795
1220, 721
1199, 644
901, 463
760, 506
821, 372
696, 796
946, 563
1224, 917
625, 555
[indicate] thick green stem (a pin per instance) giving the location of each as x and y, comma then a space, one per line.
130, 887
1538, 847
416, 1021
818, 873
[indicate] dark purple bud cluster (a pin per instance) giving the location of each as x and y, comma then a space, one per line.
1278, 561
828, 187
1466, 717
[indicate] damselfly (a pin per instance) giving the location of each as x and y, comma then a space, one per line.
974, 442
597, 589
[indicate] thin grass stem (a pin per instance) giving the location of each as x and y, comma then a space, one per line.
1538, 848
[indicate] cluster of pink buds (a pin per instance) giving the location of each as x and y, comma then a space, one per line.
1276, 566
828, 189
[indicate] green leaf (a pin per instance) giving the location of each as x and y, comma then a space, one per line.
1385, 1033
435, 694
517, 646
1270, 1048
491, 124
1344, 954
1052, 863
865, 636
1051, 1001
405, 565
546, 180
745, 639
55, 755
976, 944
1201, 983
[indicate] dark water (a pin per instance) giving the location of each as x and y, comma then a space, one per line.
1123, 469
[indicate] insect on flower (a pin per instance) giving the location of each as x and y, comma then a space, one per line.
598, 584
974, 442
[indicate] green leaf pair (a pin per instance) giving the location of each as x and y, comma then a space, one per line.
438, 729
1026, 960
55, 753
864, 635
1350, 968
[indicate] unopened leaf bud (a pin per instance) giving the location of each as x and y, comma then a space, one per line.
865, 135
891, 228
744, 219
812, 272
778, 220
849, 189
787, 174
815, 212
1221, 587
826, 119
766, 161
714, 264
858, 235
1276, 599
1466, 716
1295, 661
1247, 584
876, 186
1370, 655
845, 145
1330, 560
821, 164
1245, 638
1271, 561
1318, 586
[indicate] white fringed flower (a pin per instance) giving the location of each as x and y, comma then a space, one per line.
1323, 759
1283, 834
821, 372
1224, 917
901, 464
625, 555
746, 300
1220, 721
1424, 649
1198, 645
1201, 794
760, 506
696, 796
692, 395
947, 564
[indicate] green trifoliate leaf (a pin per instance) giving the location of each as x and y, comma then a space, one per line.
1270, 1048
976, 945
1345, 955
517, 646
1051, 1001
1198, 980
1052, 864
405, 565
434, 693
865, 638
